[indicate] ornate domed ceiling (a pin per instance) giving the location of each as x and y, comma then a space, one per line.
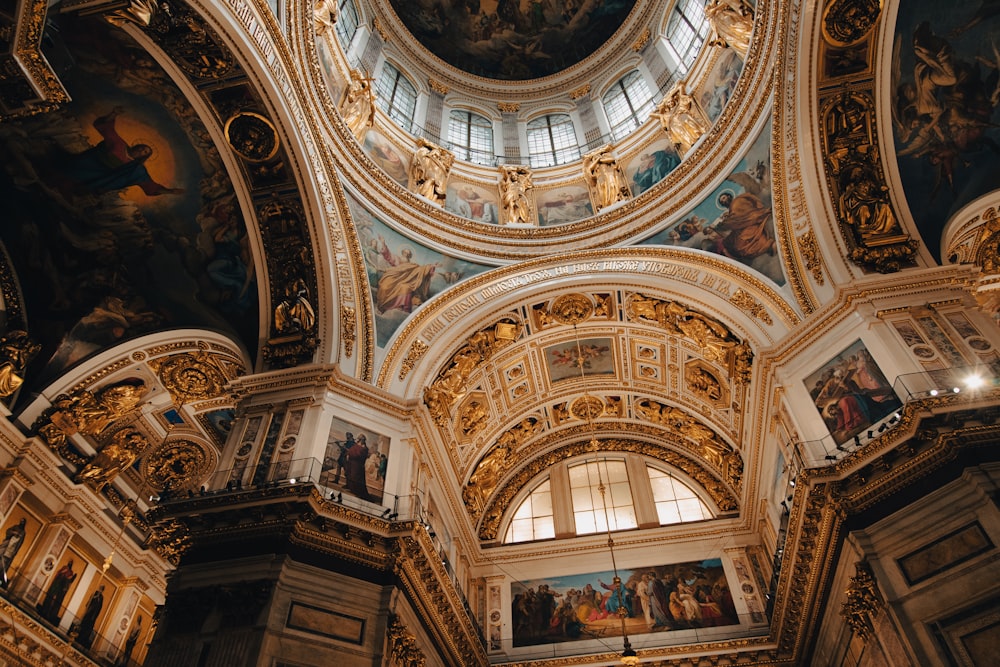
512, 40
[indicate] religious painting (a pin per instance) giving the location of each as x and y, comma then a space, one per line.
93, 609
567, 203
651, 166
657, 598
18, 531
355, 461
60, 587
403, 274
851, 393
945, 92
118, 208
473, 202
512, 40
218, 424
563, 360
736, 220
387, 156
720, 83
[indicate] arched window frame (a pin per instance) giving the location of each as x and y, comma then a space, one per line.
686, 31
347, 23
396, 95
641, 490
471, 136
552, 140
627, 104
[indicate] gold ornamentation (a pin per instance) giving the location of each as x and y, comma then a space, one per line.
88, 413
487, 475
643, 39
580, 92
176, 466
682, 118
380, 29
572, 309
703, 383
358, 106
862, 602
170, 539
874, 235
587, 408
114, 458
751, 306
847, 22
731, 24
711, 447
515, 201
810, 253
473, 416
509, 107
348, 329
605, 178
449, 386
136, 12
189, 376
987, 245
16, 350
429, 170
403, 649
23, 67
712, 336
294, 314
437, 86
417, 350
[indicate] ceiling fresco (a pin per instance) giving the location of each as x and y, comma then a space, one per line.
512, 40
945, 95
119, 209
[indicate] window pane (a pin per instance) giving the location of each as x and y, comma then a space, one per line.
593, 512
627, 104
668, 513
347, 23
585, 523
471, 137
552, 140
675, 501
544, 528
533, 518
396, 96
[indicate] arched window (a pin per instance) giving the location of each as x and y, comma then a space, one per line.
627, 104
568, 501
396, 96
471, 137
675, 502
552, 140
347, 23
686, 31
594, 513
533, 518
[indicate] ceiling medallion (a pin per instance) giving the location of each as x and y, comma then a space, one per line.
587, 408
572, 309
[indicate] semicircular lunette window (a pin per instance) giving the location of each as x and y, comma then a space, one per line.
568, 502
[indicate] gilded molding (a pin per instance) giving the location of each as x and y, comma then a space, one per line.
643, 39
190, 376
437, 86
348, 329
751, 306
580, 92
417, 350
24, 67
403, 649
509, 107
862, 603
810, 253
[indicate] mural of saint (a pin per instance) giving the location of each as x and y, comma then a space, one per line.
651, 168
355, 461
403, 274
946, 90
118, 208
736, 220
567, 204
851, 393
471, 203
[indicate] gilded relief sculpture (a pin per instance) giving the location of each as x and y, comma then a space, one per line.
681, 118
515, 184
358, 106
113, 459
16, 350
731, 23
857, 182
87, 413
429, 170
324, 16
605, 178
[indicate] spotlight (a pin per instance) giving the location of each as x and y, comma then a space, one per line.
154, 499
336, 497
393, 516
784, 506
956, 389
871, 434
882, 428
291, 481
934, 392
830, 457
432, 534
857, 441
791, 483
894, 418
385, 514
789, 498
974, 382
